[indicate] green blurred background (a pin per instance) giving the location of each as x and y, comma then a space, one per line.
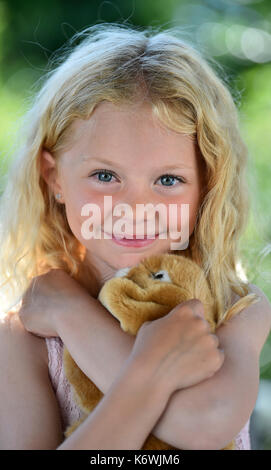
235, 34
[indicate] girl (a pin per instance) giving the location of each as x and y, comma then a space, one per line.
141, 117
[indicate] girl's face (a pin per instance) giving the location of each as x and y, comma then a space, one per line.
126, 154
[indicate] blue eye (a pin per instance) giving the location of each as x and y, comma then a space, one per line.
108, 178
103, 172
178, 178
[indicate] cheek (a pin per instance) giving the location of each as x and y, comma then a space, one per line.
82, 207
193, 210
186, 215
73, 211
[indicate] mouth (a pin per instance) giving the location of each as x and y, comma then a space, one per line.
134, 237
133, 241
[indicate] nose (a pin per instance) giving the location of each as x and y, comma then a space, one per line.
139, 192
139, 207
137, 195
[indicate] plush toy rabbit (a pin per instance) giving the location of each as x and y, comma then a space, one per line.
144, 292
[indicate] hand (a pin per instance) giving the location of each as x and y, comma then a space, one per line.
178, 349
48, 296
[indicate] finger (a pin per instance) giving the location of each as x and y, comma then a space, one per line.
197, 306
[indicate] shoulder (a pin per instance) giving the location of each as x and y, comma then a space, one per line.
260, 310
264, 301
15, 338
253, 323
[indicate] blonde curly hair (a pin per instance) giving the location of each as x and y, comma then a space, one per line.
120, 64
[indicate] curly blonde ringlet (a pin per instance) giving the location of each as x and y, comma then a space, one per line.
124, 65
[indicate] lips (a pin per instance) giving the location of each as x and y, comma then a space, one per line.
133, 237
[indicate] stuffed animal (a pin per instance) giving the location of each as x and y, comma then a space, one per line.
144, 292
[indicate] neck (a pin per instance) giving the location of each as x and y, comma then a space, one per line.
93, 274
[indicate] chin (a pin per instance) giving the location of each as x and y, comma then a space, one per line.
123, 260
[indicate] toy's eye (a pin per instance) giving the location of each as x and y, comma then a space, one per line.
162, 276
158, 276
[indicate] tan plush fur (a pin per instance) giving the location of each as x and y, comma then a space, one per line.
137, 296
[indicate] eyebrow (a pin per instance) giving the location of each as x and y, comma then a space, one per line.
86, 158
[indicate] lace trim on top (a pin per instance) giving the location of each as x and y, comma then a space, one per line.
242, 440
69, 410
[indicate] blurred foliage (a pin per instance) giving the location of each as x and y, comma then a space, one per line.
236, 33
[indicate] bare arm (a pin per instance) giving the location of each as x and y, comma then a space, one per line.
84, 333
29, 411
189, 411
124, 417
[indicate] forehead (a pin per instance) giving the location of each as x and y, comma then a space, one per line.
113, 131
108, 118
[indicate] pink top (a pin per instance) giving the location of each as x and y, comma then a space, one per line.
69, 410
